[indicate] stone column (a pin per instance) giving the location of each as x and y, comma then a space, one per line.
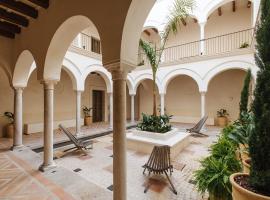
203, 107
132, 108
111, 109
78, 112
119, 134
162, 104
202, 37
48, 162
18, 118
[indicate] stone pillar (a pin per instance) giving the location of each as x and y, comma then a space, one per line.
111, 109
203, 108
18, 118
132, 108
78, 112
119, 134
48, 162
162, 104
202, 37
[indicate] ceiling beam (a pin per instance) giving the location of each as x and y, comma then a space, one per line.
183, 21
249, 4
13, 17
233, 6
7, 34
9, 27
147, 32
219, 11
20, 7
41, 3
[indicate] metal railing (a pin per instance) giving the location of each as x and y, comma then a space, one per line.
211, 46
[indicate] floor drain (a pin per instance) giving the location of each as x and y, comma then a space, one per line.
110, 188
77, 170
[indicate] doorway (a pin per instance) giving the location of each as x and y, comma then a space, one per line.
98, 101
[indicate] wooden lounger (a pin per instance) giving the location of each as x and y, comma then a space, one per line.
160, 163
198, 127
79, 143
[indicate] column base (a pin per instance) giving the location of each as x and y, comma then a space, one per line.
45, 168
17, 147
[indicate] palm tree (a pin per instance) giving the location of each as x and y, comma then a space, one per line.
179, 12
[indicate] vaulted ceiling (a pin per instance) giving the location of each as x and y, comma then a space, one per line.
15, 15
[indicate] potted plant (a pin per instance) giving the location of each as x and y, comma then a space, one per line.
10, 126
222, 117
256, 185
213, 176
87, 115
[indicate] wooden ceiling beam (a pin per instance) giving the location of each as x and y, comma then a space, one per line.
7, 34
9, 27
249, 4
13, 17
183, 22
219, 11
233, 6
20, 7
147, 32
41, 3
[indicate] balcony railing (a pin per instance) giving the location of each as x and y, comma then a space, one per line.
208, 47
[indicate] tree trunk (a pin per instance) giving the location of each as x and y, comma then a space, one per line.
154, 96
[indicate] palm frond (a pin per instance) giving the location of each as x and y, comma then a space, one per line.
150, 52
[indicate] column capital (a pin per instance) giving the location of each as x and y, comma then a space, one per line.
18, 88
162, 94
203, 23
203, 92
49, 84
119, 74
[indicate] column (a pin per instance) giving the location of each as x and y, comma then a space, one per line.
111, 109
78, 112
18, 122
48, 162
119, 135
132, 108
162, 104
202, 37
203, 108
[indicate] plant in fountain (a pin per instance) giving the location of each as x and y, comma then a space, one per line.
180, 11
257, 184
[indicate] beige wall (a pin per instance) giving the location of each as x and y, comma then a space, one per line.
145, 97
224, 92
6, 98
183, 97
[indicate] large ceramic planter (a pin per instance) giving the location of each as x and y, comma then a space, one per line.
246, 166
222, 121
87, 121
240, 193
9, 130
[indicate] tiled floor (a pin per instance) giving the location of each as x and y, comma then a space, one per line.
80, 176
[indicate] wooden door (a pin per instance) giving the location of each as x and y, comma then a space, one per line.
97, 100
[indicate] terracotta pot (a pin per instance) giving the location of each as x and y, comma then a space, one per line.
87, 121
222, 121
246, 166
240, 193
9, 130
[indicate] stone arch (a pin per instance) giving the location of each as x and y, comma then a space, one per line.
143, 77
24, 66
177, 72
74, 74
105, 74
60, 43
242, 65
130, 84
133, 27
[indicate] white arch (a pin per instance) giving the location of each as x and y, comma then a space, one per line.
177, 72
60, 43
24, 66
74, 74
130, 84
106, 75
146, 76
242, 65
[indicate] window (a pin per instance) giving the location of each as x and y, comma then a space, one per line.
95, 47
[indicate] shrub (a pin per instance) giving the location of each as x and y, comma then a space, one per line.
158, 124
259, 143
